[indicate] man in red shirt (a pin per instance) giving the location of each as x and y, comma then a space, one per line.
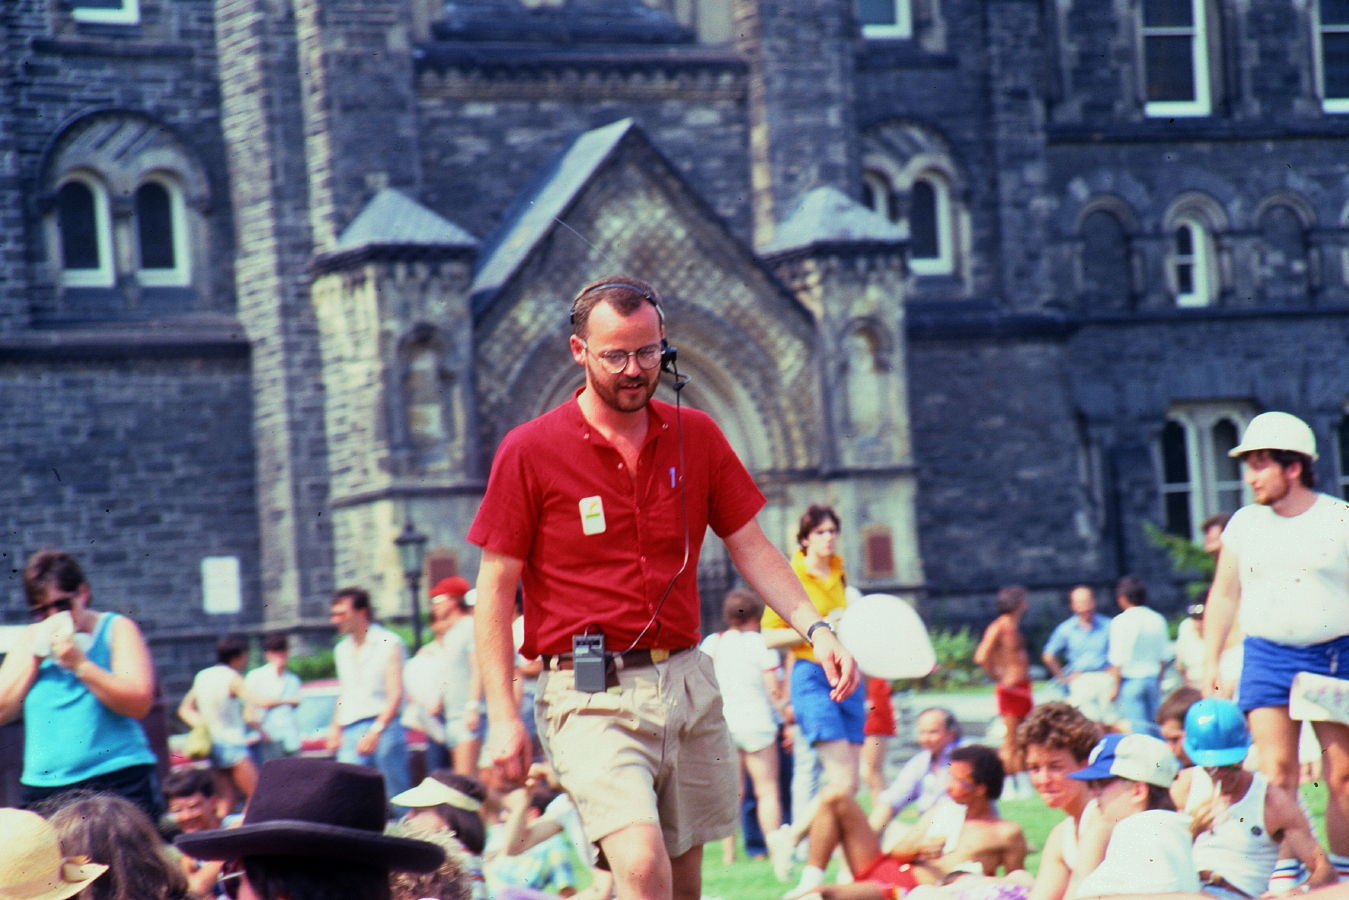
600, 507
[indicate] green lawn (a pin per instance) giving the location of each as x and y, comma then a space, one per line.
752, 879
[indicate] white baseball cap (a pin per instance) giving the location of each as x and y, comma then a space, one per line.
1277, 431
1137, 757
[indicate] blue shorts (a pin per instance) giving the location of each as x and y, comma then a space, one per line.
820, 718
1267, 669
225, 755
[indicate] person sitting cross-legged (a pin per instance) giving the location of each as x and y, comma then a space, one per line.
963, 831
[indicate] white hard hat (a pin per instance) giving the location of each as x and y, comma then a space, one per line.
1277, 431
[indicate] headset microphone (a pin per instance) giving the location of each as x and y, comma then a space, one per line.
669, 362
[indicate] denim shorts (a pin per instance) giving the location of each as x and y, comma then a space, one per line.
225, 755
1268, 668
820, 717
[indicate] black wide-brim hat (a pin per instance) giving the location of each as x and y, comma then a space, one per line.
316, 809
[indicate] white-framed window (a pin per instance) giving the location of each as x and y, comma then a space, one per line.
84, 232
1191, 266
931, 232
1331, 43
879, 194
885, 18
1342, 455
161, 233
1174, 36
1199, 479
106, 12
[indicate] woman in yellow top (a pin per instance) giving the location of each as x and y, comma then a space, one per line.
834, 728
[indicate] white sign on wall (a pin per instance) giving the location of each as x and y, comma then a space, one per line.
220, 592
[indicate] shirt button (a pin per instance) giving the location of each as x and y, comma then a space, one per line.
642, 559
664, 427
620, 465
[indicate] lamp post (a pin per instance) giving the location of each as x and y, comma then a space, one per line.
411, 545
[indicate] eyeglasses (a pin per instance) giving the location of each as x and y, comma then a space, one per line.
230, 878
40, 611
616, 361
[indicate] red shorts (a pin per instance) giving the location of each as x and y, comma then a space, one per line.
880, 713
1014, 701
889, 873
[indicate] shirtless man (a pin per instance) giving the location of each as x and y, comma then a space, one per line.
1002, 654
964, 833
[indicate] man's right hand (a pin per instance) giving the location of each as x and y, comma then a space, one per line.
510, 749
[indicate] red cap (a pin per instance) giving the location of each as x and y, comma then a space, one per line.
454, 586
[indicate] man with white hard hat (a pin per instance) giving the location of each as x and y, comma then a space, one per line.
1284, 572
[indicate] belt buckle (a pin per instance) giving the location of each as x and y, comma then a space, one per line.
659, 656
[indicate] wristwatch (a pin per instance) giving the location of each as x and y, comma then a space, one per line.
810, 632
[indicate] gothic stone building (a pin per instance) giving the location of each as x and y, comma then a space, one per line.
1001, 279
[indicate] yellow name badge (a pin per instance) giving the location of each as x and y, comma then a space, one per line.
592, 515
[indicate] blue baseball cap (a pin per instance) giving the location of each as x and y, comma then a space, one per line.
1137, 757
1216, 733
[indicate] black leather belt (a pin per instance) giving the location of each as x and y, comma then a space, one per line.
633, 659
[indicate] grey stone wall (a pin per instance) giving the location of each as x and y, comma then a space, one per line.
139, 464
487, 132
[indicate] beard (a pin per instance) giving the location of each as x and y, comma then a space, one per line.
613, 389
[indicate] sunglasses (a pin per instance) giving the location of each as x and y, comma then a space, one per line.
40, 611
229, 880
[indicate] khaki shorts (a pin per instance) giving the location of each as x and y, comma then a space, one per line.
654, 750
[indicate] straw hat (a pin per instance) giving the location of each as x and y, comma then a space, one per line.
31, 864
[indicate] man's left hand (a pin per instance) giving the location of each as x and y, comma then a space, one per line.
839, 666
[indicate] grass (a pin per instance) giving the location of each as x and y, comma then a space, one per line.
752, 879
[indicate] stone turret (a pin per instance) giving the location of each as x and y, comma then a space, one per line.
391, 301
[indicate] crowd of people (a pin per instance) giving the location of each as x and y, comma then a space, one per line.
572, 714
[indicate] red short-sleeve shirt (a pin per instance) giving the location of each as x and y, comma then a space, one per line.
599, 545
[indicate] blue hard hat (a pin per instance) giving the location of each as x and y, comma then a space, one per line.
1216, 733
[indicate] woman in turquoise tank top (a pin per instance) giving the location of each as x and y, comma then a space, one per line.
81, 679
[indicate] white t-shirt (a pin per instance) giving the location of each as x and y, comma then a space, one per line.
223, 712
360, 673
740, 659
1149, 853
1294, 571
423, 689
457, 645
279, 722
1139, 643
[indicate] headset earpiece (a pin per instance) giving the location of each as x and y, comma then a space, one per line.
668, 356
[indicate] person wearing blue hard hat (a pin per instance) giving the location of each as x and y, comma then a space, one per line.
1239, 819
1134, 841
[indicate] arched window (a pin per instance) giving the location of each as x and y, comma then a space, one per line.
878, 553
864, 384
428, 426
878, 194
84, 232
161, 232
1198, 477
1283, 257
1193, 277
930, 232
1106, 274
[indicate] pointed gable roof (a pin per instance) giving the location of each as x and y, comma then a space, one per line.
543, 205
828, 217
393, 219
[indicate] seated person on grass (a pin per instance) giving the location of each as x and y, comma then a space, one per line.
964, 831
1238, 818
1134, 842
1056, 739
